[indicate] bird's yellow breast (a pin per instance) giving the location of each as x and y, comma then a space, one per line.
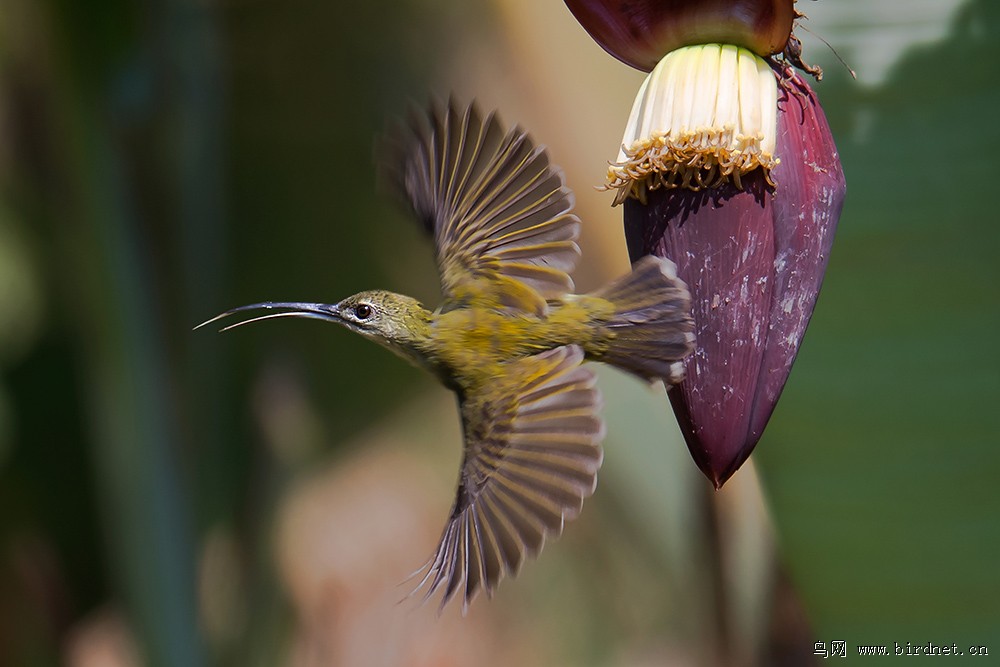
469, 345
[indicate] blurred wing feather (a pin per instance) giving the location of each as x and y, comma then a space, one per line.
498, 211
532, 452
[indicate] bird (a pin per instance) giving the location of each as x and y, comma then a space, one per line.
510, 336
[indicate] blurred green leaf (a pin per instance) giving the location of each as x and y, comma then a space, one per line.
882, 459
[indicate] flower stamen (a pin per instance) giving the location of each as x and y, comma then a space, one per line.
706, 115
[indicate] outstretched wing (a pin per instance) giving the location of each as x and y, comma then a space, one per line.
498, 211
532, 451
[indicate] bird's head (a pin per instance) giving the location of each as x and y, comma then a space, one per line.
395, 321
383, 316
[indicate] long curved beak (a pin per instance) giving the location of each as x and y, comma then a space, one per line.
316, 311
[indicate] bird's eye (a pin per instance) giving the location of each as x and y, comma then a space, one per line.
362, 311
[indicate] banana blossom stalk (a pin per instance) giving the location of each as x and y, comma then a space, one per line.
728, 168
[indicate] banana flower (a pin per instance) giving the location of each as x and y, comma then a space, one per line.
727, 167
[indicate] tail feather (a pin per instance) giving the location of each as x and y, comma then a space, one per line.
652, 330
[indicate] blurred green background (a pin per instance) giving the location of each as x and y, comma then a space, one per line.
170, 497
